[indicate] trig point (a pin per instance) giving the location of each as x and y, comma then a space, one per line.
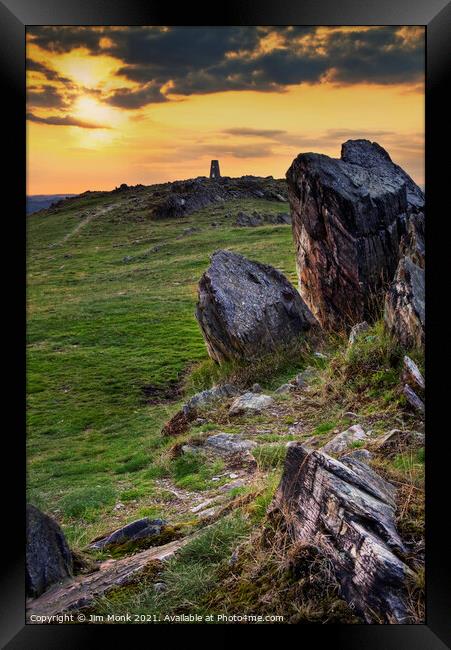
214, 169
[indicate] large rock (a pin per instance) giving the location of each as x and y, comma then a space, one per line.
348, 215
48, 557
404, 302
246, 309
347, 511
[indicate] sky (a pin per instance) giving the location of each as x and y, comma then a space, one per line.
112, 105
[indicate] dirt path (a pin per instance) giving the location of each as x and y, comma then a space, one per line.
87, 220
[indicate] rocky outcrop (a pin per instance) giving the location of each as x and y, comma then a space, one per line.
48, 557
180, 198
349, 216
245, 219
348, 512
404, 302
247, 309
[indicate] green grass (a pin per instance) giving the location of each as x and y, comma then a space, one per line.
101, 330
188, 577
193, 471
270, 456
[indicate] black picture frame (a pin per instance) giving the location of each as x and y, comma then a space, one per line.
15, 15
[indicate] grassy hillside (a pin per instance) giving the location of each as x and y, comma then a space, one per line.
110, 322
114, 350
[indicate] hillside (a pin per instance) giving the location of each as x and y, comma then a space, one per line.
36, 202
115, 351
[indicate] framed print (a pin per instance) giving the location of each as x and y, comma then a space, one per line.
231, 408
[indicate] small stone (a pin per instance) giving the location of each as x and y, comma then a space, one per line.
228, 443
119, 506
137, 530
206, 397
357, 331
344, 439
412, 374
159, 587
396, 440
413, 399
256, 388
285, 388
233, 475
363, 455
231, 486
250, 403
301, 380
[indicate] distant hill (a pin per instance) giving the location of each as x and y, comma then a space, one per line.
37, 202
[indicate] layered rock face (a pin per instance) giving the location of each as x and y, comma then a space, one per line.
48, 557
348, 216
246, 309
404, 302
348, 512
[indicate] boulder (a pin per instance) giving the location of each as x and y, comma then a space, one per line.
348, 216
48, 557
348, 512
247, 309
250, 403
345, 439
139, 530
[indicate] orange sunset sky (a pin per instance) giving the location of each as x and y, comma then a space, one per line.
112, 105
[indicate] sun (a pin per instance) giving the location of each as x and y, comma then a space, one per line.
90, 110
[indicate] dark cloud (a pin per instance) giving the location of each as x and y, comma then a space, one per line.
45, 97
199, 60
127, 98
51, 75
249, 132
66, 120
